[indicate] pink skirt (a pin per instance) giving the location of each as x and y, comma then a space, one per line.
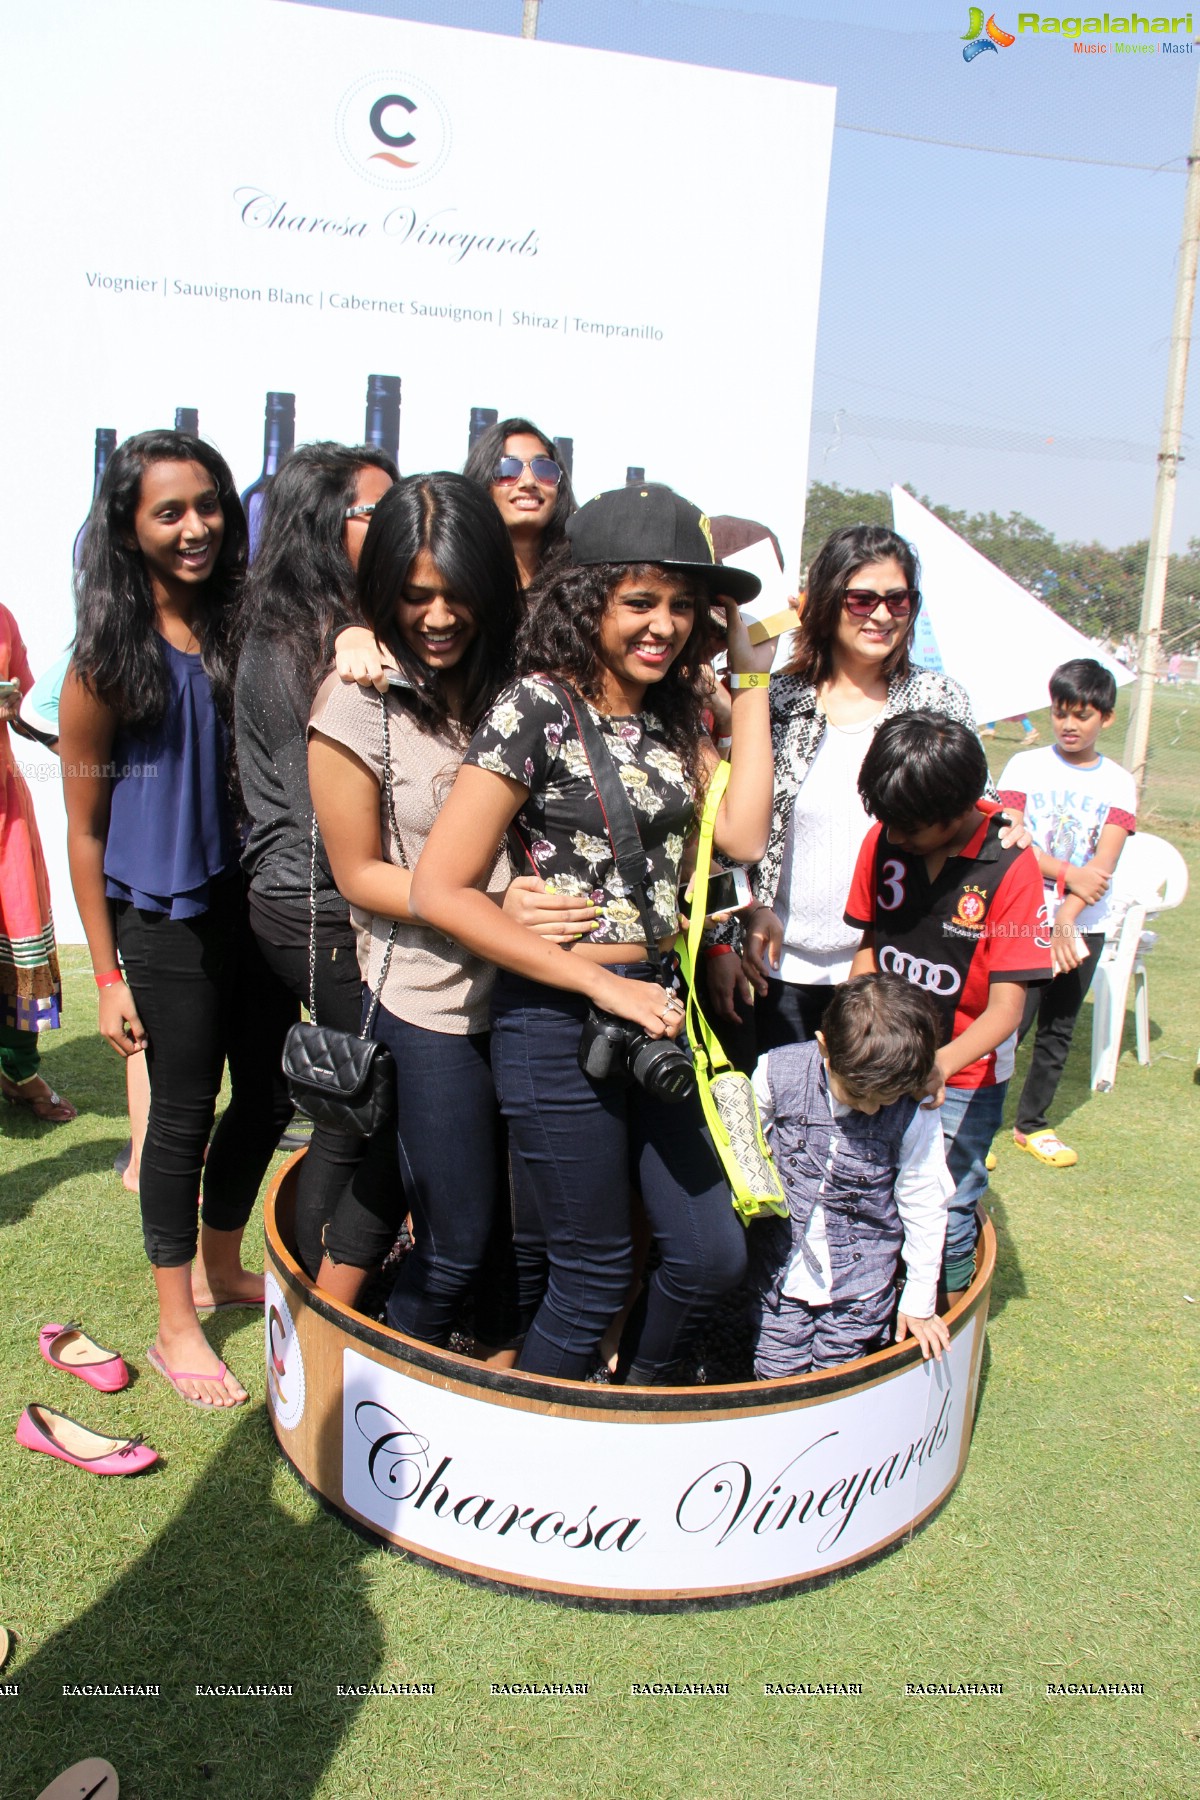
30, 984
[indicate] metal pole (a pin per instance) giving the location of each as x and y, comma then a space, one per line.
529, 18
1150, 624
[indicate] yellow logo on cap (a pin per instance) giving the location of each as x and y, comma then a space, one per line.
706, 528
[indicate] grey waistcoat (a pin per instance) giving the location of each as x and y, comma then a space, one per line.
861, 1221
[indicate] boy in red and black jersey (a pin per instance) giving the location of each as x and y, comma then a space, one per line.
943, 903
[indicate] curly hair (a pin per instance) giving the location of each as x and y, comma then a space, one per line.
560, 636
117, 652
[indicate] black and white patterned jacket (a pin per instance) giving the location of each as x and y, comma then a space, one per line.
797, 727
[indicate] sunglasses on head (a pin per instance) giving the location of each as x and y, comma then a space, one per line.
511, 468
860, 603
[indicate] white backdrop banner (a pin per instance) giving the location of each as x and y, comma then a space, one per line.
653, 1507
268, 197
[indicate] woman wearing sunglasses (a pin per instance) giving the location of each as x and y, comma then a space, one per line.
531, 490
849, 670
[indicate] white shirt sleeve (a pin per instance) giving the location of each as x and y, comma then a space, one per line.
923, 1190
762, 1093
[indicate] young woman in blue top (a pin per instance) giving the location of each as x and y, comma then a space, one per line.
144, 741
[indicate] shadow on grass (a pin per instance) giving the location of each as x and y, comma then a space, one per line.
38, 1177
233, 1591
1008, 1283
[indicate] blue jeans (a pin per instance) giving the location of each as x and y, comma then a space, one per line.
581, 1143
453, 1167
970, 1120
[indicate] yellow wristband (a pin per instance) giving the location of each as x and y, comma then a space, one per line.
749, 681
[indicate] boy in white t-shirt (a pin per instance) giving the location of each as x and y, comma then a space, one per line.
1080, 807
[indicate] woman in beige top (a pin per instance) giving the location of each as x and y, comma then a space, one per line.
437, 586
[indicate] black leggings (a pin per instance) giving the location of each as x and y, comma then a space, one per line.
350, 1184
205, 998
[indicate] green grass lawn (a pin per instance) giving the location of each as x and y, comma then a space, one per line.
1067, 1554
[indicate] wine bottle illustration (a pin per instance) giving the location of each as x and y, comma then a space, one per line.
382, 428
634, 476
481, 418
564, 450
279, 440
106, 443
187, 418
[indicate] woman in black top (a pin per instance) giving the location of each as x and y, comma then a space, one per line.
299, 596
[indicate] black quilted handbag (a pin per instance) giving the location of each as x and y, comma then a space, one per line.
343, 1082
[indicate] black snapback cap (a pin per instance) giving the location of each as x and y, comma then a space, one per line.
651, 523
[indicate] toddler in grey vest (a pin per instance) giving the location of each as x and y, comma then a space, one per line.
865, 1174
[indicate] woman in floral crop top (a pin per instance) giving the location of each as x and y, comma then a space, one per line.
623, 619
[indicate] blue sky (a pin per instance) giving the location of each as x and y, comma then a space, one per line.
993, 327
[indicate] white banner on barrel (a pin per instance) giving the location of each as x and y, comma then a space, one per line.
288, 199
653, 1506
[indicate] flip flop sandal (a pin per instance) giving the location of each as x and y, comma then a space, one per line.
69, 1348
257, 1301
175, 1376
5, 1645
49, 1107
93, 1779
1048, 1147
42, 1428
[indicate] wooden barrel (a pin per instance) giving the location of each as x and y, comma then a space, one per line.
638, 1499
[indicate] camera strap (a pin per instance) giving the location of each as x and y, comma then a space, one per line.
619, 822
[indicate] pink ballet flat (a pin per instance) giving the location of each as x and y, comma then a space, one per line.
42, 1428
69, 1348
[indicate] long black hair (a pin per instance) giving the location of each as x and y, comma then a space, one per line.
455, 521
117, 653
838, 559
560, 636
300, 591
486, 452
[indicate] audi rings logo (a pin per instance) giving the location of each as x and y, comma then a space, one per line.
393, 130
935, 978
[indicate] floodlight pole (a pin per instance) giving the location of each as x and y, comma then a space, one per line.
1150, 625
529, 18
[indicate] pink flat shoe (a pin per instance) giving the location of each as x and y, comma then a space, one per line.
175, 1376
69, 1348
42, 1428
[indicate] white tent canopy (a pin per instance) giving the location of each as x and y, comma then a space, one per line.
991, 634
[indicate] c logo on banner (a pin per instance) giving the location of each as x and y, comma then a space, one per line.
935, 978
285, 1364
393, 130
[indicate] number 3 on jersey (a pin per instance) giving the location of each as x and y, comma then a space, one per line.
891, 885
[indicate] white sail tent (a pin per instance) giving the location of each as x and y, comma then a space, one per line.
981, 626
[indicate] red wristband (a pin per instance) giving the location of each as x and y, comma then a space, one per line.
719, 950
1060, 880
110, 980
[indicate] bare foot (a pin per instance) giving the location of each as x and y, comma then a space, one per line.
130, 1182
237, 1287
194, 1369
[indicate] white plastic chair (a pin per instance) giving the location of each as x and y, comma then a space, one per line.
1150, 877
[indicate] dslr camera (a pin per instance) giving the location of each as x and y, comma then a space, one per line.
616, 1049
